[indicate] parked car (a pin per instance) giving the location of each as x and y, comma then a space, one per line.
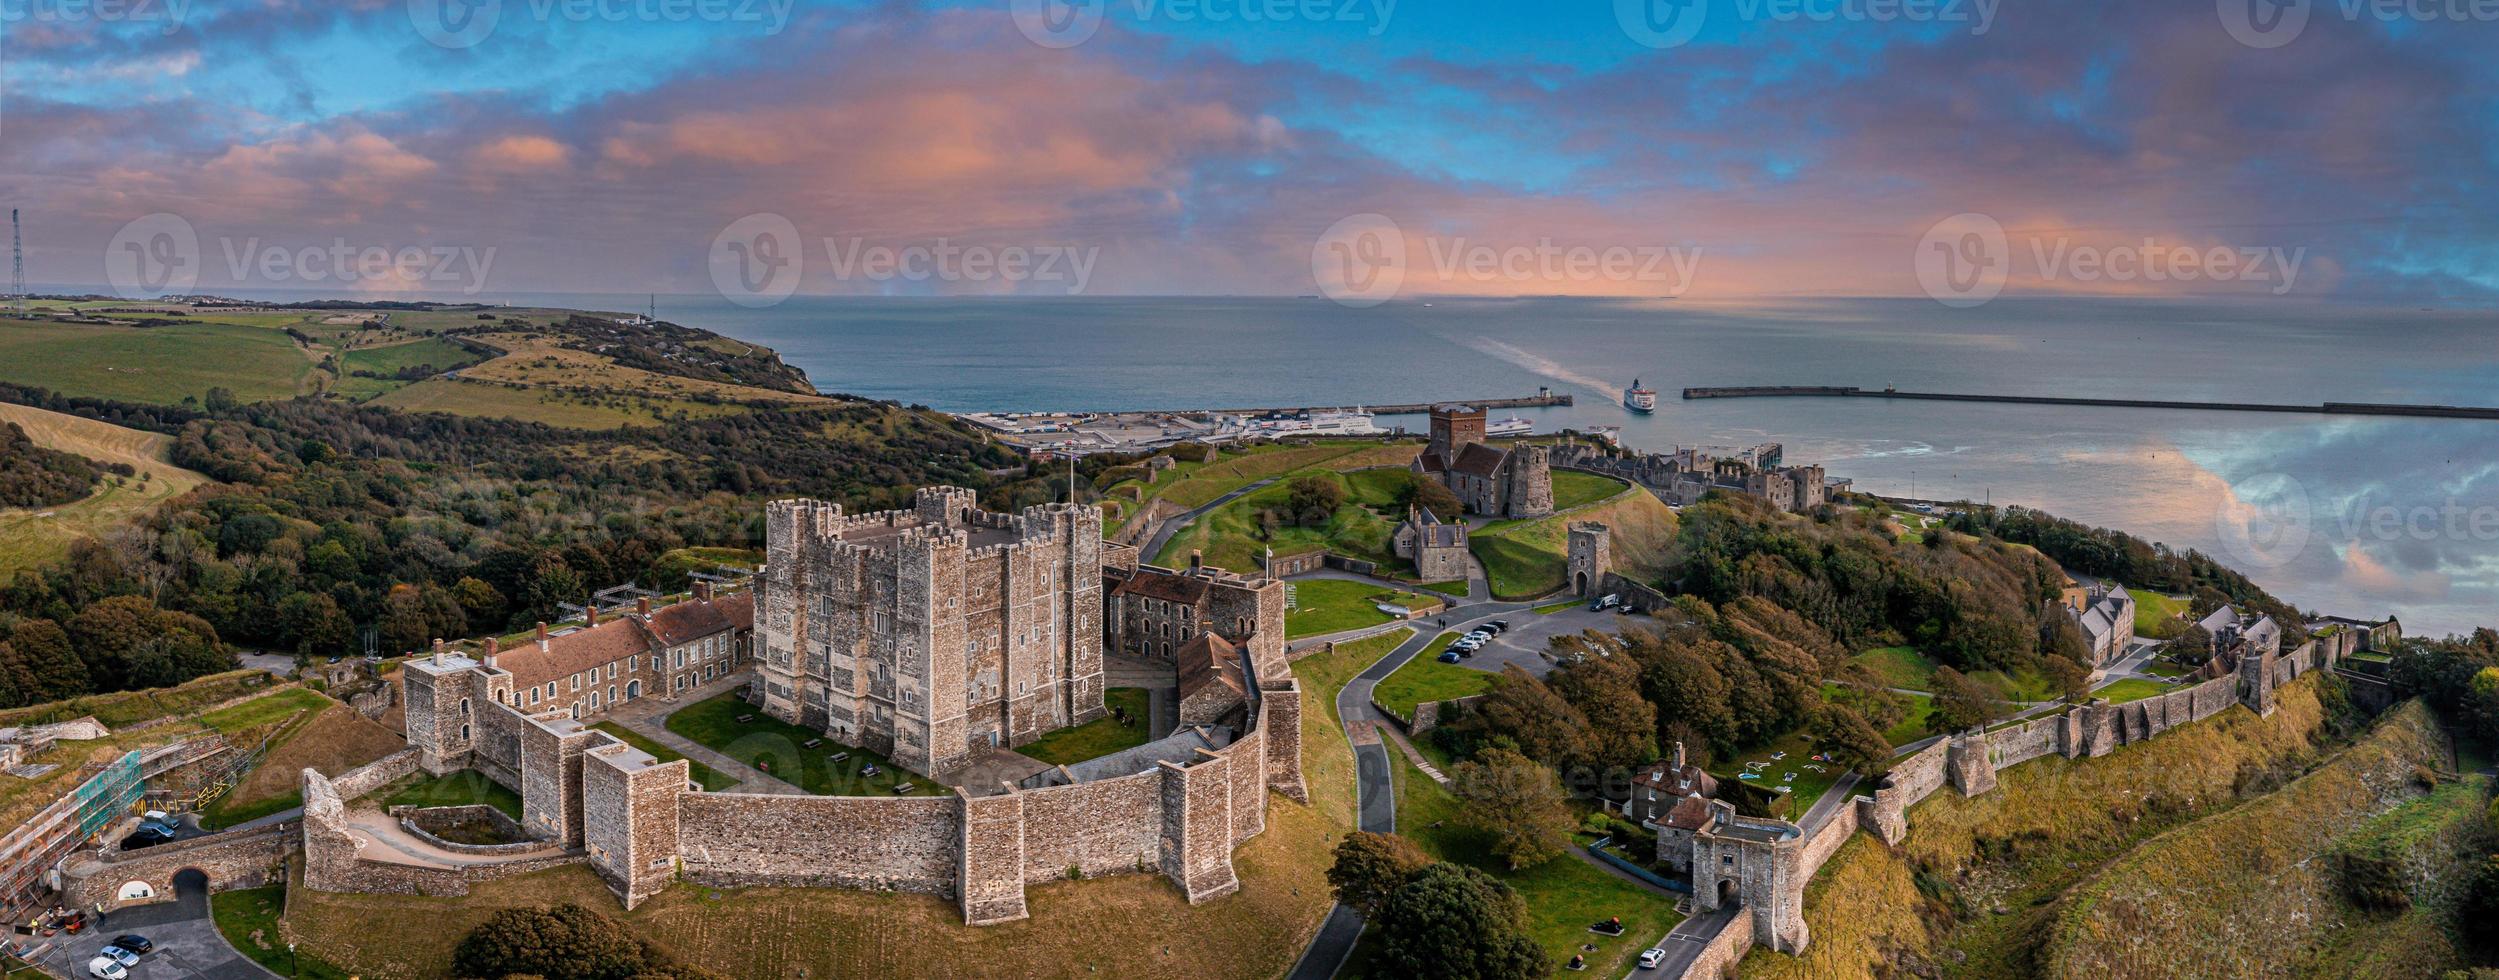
107, 968
120, 955
1449, 656
1466, 643
135, 943
1651, 957
1604, 602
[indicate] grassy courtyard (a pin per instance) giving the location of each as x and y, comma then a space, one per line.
2132, 689
1425, 678
779, 749
1323, 605
1786, 769
1101, 736
705, 776
463, 788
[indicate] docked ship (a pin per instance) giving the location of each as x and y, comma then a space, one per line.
1639, 399
1341, 423
1509, 428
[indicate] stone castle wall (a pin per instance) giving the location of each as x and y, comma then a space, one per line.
245, 860
902, 844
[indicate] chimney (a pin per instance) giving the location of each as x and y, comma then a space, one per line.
542, 637
438, 656
642, 607
1678, 759
591, 618
703, 591
1197, 561
494, 645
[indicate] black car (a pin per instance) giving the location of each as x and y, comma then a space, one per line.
1498, 626
135, 944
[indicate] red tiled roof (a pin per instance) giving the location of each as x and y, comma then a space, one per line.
575, 652
686, 622
1481, 460
1210, 659
1690, 813
739, 608
1184, 589
1430, 462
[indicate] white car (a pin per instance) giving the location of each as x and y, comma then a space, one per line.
106, 968
119, 955
1651, 957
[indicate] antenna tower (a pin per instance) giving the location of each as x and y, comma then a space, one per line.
17, 263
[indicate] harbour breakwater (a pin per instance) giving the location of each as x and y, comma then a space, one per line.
2322, 408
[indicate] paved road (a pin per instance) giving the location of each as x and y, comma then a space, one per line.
187, 942
1685, 943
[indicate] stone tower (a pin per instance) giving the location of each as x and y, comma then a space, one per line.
1530, 493
1455, 427
2256, 679
1591, 557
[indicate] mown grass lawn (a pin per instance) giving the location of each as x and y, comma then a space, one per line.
709, 778
1564, 895
1572, 488
248, 918
1101, 736
2132, 689
1786, 761
1425, 678
466, 787
2152, 609
1325, 605
779, 749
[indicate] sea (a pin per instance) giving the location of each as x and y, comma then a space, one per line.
2352, 516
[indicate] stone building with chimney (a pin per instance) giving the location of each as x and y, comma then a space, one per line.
1437, 549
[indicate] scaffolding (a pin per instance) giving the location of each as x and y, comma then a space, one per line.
76, 818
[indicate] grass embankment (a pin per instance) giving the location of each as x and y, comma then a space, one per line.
1564, 895
2154, 611
1129, 925
2264, 869
1234, 536
1189, 485
248, 918
705, 776
1979, 876
126, 708
1325, 605
38, 536
1425, 678
466, 787
1523, 559
1127, 725
324, 735
779, 749
2132, 689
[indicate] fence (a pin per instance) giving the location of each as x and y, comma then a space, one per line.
1597, 850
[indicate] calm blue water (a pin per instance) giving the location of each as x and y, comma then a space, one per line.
2348, 516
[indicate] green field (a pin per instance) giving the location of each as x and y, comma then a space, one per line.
778, 749
1898, 667
2132, 689
1572, 488
1564, 895
2153, 609
1326, 605
442, 355
562, 409
1425, 678
712, 780
153, 365
1803, 790
466, 787
265, 710
1234, 537
248, 918
1101, 736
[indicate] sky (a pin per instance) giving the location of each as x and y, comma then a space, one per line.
2312, 150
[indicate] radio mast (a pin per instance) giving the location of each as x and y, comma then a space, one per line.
17, 263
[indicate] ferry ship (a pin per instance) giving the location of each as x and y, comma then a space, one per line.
1509, 428
1639, 399
1353, 423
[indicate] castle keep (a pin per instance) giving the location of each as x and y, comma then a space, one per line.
928, 633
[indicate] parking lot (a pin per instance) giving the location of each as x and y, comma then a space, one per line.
1530, 634
187, 943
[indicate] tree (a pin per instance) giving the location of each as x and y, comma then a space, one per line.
49, 668
1312, 500
1961, 704
1852, 741
2481, 904
1521, 708
1369, 867
565, 942
1518, 801
1622, 727
1449, 920
2070, 678
1433, 496
315, 624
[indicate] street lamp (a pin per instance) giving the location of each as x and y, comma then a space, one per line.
290, 959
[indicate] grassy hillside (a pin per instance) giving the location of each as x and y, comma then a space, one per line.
154, 365
1987, 871
1526, 558
27, 540
2154, 912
